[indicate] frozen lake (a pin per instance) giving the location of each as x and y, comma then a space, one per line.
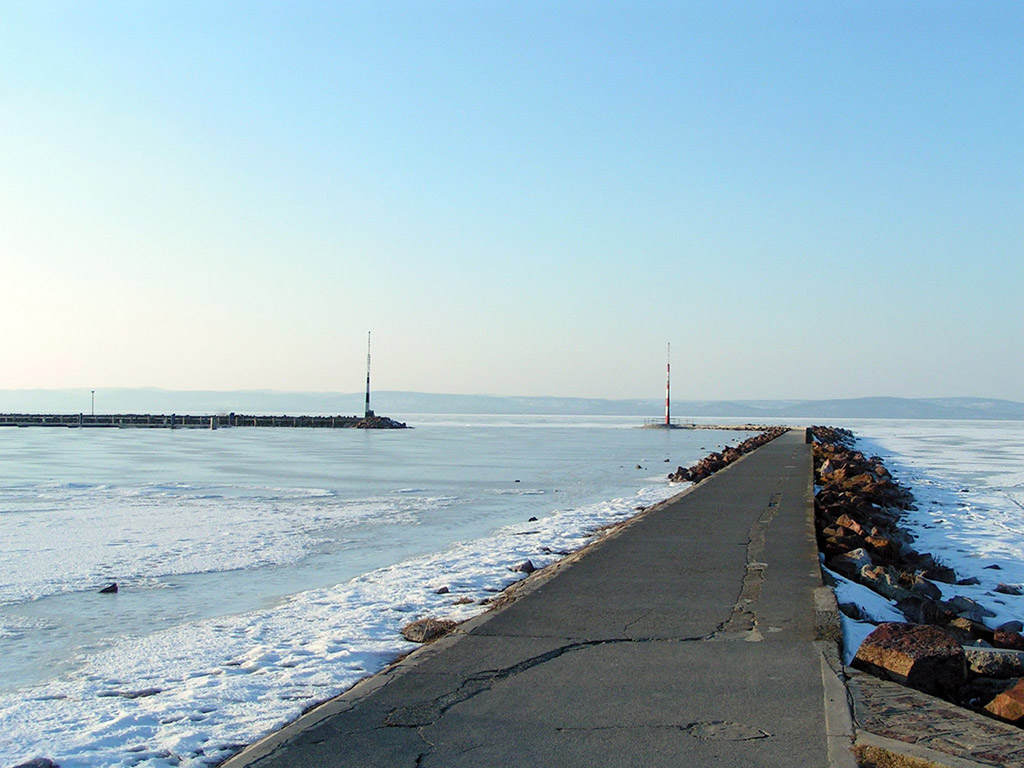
264, 570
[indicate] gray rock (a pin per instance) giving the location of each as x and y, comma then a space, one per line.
1012, 626
883, 580
427, 630
849, 563
921, 586
970, 609
995, 662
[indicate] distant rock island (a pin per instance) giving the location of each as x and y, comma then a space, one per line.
268, 402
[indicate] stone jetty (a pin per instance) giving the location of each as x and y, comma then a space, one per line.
696, 634
184, 421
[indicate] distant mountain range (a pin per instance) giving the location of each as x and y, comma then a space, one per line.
403, 403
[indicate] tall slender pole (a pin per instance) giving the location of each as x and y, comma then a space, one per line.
668, 378
369, 413
93, 401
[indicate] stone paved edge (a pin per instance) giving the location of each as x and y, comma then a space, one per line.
894, 722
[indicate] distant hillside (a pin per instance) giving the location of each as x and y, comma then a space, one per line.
403, 403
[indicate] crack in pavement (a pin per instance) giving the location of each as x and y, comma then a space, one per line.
427, 712
637, 620
742, 623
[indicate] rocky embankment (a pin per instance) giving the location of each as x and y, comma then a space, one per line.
380, 422
944, 648
715, 461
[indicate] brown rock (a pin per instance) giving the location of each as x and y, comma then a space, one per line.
915, 655
1008, 705
427, 630
848, 522
1001, 638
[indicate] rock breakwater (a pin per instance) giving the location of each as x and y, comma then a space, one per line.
944, 647
715, 460
380, 422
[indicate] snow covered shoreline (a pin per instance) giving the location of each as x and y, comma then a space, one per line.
883, 577
207, 689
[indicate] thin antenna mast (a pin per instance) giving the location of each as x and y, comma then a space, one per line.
668, 378
369, 413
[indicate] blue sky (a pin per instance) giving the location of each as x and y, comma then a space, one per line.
807, 199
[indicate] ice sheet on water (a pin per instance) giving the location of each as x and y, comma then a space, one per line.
160, 530
190, 695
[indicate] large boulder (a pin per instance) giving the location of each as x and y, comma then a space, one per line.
915, 655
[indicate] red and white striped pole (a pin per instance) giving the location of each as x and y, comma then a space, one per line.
668, 379
368, 413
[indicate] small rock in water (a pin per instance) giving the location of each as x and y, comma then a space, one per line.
968, 582
526, 566
38, 762
1009, 589
110, 589
441, 591
993, 567
532, 520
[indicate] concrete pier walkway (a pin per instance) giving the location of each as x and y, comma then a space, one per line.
688, 638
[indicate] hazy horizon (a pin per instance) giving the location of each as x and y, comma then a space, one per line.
403, 404
808, 200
